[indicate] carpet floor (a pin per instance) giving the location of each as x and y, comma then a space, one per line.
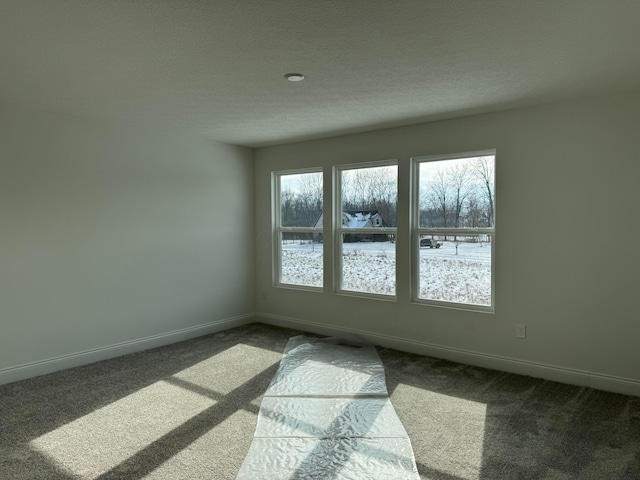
189, 410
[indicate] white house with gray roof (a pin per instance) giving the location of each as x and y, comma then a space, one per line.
360, 219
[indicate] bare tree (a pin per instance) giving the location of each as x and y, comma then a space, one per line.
287, 207
459, 179
365, 184
476, 211
437, 196
311, 197
371, 189
483, 168
384, 194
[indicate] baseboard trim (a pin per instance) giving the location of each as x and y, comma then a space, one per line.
626, 386
49, 365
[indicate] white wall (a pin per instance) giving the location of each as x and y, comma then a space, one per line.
567, 254
112, 235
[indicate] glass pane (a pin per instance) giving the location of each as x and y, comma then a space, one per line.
301, 259
301, 199
457, 193
369, 197
455, 268
369, 263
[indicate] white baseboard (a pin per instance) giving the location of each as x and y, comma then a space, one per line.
41, 367
609, 383
555, 373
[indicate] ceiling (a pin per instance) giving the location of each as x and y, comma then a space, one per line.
217, 67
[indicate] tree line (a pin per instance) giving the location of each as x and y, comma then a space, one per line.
302, 207
460, 196
367, 189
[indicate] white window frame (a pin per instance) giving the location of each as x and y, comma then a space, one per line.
339, 229
278, 229
417, 232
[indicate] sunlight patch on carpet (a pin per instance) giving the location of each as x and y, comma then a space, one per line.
456, 431
220, 373
95, 443
204, 456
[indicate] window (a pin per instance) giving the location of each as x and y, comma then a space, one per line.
449, 244
298, 202
365, 236
453, 229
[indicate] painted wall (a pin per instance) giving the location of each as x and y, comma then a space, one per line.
110, 235
567, 254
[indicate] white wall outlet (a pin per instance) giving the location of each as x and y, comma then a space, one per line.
521, 331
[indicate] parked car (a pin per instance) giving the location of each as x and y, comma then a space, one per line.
427, 242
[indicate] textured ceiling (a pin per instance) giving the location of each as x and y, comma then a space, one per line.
217, 67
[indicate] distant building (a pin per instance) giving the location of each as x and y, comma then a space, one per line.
360, 219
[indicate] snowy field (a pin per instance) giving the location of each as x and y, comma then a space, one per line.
369, 267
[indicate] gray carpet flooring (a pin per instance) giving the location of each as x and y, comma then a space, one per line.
188, 411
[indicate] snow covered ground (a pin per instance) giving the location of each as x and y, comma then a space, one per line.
369, 267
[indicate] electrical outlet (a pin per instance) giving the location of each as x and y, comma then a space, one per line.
521, 331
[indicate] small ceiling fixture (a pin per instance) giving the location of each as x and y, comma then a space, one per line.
294, 77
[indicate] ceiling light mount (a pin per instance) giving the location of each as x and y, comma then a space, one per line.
294, 77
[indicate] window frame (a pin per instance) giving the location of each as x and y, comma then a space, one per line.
278, 229
338, 229
416, 231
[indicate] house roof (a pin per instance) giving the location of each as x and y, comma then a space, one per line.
217, 68
363, 212
355, 218
358, 218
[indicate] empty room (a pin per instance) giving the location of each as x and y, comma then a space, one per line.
355, 240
